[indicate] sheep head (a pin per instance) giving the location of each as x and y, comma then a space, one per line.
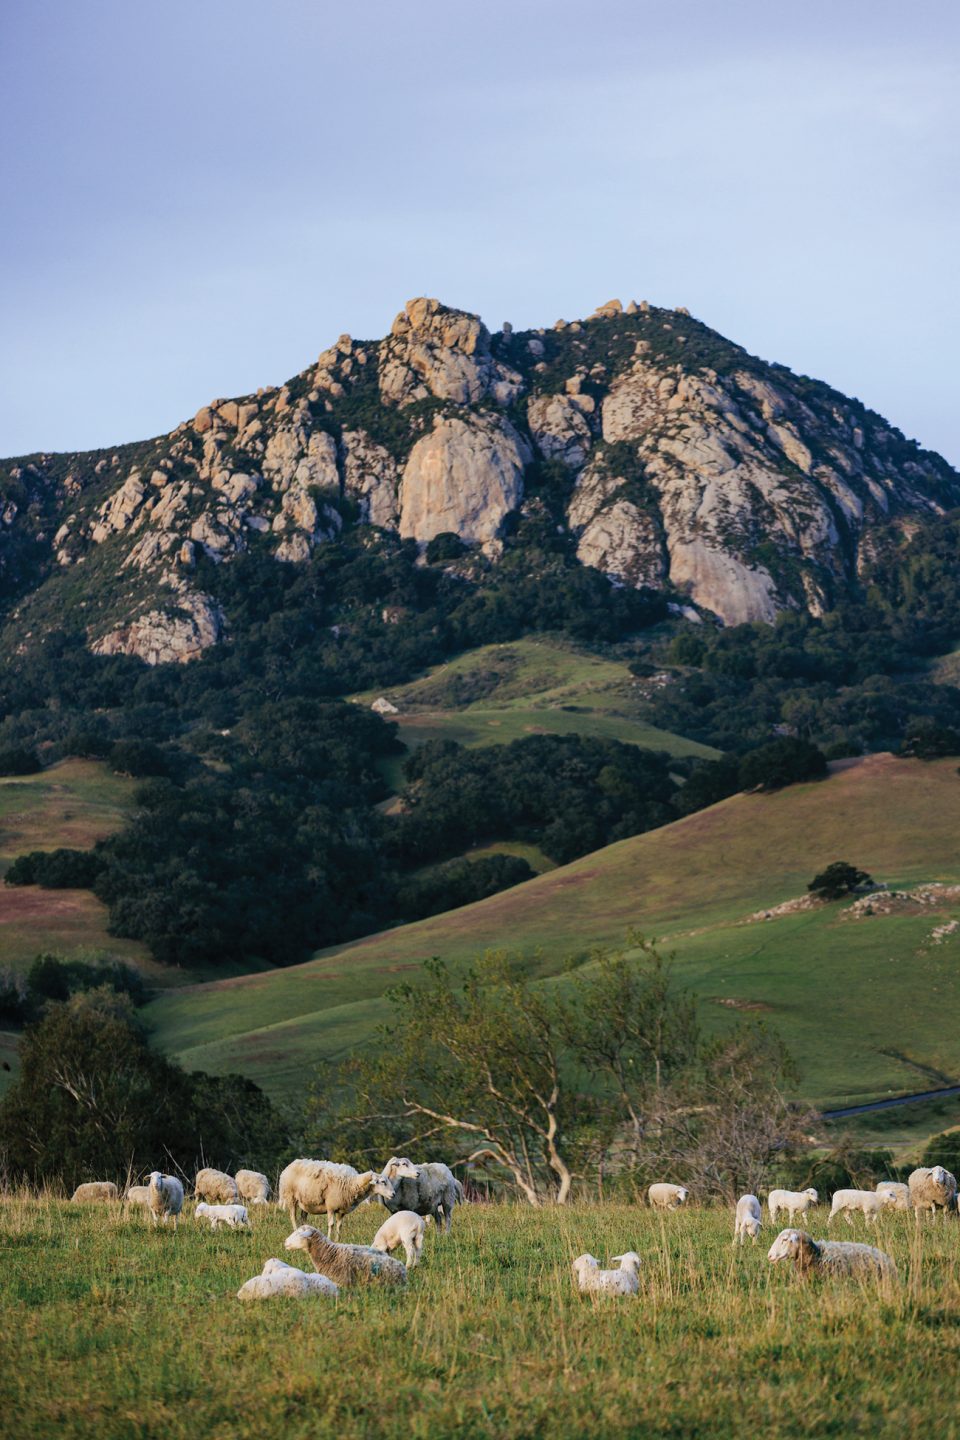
301, 1237
813, 1194
155, 1181
585, 1262
399, 1168
386, 1189
202, 1209
785, 1247
629, 1260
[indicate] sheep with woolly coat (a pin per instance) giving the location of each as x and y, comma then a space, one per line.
403, 1228
278, 1280
137, 1195
795, 1202
428, 1189
849, 1202
322, 1187
894, 1195
216, 1187
748, 1219
166, 1198
932, 1188
347, 1264
830, 1257
254, 1187
235, 1217
623, 1281
100, 1192
662, 1196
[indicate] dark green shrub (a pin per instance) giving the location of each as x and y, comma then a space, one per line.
56, 869
445, 546
17, 760
782, 762
838, 880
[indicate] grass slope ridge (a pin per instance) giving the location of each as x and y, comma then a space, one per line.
866, 1006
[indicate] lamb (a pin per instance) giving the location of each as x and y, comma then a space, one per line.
278, 1279
667, 1197
99, 1191
346, 1264
235, 1217
403, 1228
932, 1188
795, 1202
216, 1187
748, 1219
137, 1195
894, 1195
429, 1189
166, 1197
321, 1187
624, 1281
253, 1187
830, 1257
846, 1202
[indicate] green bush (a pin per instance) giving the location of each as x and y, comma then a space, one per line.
782, 762
17, 760
56, 869
838, 880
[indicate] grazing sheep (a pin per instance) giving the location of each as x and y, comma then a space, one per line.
137, 1195
166, 1197
795, 1202
403, 1228
894, 1195
830, 1257
321, 1187
667, 1197
280, 1280
846, 1202
100, 1191
748, 1219
253, 1187
429, 1189
624, 1281
235, 1217
216, 1187
346, 1264
932, 1188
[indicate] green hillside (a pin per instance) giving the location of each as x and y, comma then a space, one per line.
868, 1006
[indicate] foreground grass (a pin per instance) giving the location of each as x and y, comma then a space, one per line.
109, 1329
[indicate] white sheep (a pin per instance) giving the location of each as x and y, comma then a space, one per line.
97, 1191
795, 1202
667, 1197
748, 1219
253, 1187
137, 1195
347, 1264
830, 1257
216, 1187
932, 1188
894, 1195
235, 1217
403, 1228
427, 1189
848, 1202
166, 1197
623, 1281
321, 1187
280, 1280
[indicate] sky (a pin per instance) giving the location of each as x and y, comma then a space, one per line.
197, 198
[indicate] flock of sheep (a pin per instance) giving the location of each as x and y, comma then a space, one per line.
418, 1195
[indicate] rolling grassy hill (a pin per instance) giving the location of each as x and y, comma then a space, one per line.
868, 1006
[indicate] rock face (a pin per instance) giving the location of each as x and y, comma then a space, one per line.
163, 637
433, 351
466, 476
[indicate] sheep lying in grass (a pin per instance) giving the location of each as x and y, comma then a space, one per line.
97, 1191
667, 1197
894, 1195
428, 1189
346, 1264
748, 1219
830, 1257
216, 1187
406, 1229
279, 1280
848, 1202
932, 1188
235, 1217
166, 1198
253, 1187
321, 1187
795, 1202
624, 1281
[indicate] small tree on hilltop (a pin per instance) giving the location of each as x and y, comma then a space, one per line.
838, 880
782, 762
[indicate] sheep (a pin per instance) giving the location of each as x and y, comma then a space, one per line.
830, 1257
932, 1188
894, 1195
277, 1279
321, 1187
403, 1228
100, 1191
667, 1197
216, 1187
235, 1217
429, 1189
166, 1197
748, 1219
137, 1195
346, 1264
795, 1202
624, 1281
846, 1202
253, 1187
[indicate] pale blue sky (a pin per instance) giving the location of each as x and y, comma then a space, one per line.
199, 197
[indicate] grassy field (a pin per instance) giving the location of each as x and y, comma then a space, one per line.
109, 1330
868, 1007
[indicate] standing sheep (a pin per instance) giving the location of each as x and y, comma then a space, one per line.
166, 1197
847, 1202
98, 1191
429, 1189
321, 1187
137, 1195
932, 1188
346, 1264
894, 1195
830, 1257
795, 1202
748, 1219
216, 1187
277, 1279
403, 1228
667, 1197
235, 1217
624, 1281
253, 1187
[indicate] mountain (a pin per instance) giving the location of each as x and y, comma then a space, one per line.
643, 443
